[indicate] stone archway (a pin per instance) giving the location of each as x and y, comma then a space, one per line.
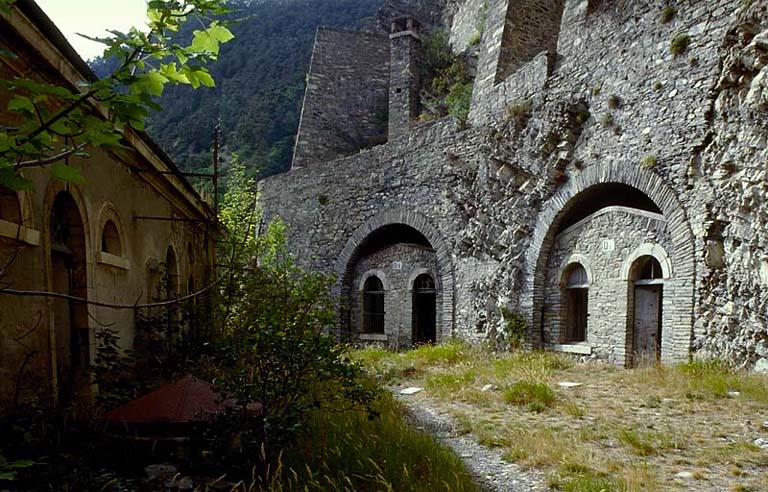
683, 261
444, 278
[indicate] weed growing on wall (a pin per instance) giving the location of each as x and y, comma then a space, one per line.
679, 44
446, 80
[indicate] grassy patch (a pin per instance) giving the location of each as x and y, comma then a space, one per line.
585, 482
668, 14
624, 430
451, 352
536, 396
451, 383
531, 366
348, 451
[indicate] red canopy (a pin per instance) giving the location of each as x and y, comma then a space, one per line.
186, 401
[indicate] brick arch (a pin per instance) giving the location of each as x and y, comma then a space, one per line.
444, 276
375, 273
682, 258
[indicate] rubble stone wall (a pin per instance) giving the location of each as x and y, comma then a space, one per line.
345, 104
604, 245
397, 267
612, 103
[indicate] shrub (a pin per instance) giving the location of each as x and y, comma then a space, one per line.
273, 348
446, 77
459, 100
519, 111
679, 44
668, 14
536, 396
475, 39
649, 162
516, 328
607, 120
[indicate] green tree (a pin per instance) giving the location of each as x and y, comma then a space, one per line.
54, 122
273, 344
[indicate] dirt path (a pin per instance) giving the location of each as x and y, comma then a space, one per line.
487, 466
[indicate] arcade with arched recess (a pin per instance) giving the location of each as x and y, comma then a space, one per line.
395, 282
606, 266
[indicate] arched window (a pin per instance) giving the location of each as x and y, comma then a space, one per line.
647, 270
10, 208
424, 282
110, 239
373, 305
576, 303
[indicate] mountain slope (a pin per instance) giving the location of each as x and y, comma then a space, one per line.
260, 84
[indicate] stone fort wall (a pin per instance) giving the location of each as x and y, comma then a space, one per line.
345, 105
610, 104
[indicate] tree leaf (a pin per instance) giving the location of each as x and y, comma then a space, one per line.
9, 179
65, 173
208, 41
21, 104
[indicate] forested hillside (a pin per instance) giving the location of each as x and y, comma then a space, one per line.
260, 84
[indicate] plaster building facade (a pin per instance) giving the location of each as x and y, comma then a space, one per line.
109, 240
609, 185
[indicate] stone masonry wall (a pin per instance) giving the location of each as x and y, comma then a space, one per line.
398, 300
613, 104
608, 304
345, 105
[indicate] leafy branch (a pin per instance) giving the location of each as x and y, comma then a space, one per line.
51, 123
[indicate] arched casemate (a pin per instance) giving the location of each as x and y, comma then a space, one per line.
608, 216
399, 247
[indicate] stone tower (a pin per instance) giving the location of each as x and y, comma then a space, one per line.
404, 76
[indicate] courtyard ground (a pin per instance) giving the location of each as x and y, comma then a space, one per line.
590, 426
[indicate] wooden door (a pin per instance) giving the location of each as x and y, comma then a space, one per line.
647, 324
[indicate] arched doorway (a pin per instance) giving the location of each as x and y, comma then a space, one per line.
424, 310
373, 305
647, 301
69, 277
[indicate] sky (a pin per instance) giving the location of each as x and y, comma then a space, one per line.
93, 17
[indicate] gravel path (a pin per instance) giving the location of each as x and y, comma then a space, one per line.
486, 465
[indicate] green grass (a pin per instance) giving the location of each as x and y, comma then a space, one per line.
585, 482
447, 384
529, 365
710, 379
536, 396
348, 451
391, 366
